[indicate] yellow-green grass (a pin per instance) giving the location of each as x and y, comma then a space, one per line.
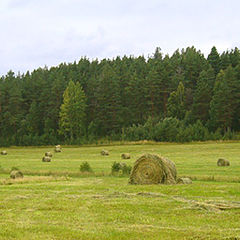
195, 160
101, 206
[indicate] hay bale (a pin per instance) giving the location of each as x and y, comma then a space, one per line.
104, 153
16, 174
223, 162
184, 180
153, 169
58, 148
125, 156
48, 154
46, 159
3, 152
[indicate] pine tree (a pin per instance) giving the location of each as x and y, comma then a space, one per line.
233, 81
234, 57
225, 60
221, 113
203, 95
192, 62
108, 101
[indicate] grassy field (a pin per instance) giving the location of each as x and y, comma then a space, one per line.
55, 201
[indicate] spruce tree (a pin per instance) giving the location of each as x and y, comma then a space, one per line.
214, 60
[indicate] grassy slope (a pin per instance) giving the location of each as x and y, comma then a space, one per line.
107, 207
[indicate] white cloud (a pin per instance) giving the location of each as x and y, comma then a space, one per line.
47, 32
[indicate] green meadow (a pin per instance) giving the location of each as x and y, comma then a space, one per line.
56, 201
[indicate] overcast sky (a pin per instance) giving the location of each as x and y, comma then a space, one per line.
35, 33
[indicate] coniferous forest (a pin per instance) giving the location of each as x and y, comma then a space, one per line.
184, 97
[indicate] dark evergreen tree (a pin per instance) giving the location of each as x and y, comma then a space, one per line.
202, 96
126, 93
221, 114
214, 60
108, 100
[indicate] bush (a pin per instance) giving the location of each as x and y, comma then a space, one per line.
166, 130
85, 167
116, 167
126, 169
121, 169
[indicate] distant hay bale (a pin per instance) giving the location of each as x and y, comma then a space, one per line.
125, 156
46, 159
3, 152
153, 169
58, 148
223, 162
184, 180
16, 174
104, 153
48, 154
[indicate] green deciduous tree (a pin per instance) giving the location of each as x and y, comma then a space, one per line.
176, 103
72, 111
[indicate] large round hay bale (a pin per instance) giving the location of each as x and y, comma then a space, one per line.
223, 162
46, 159
125, 156
104, 153
184, 180
3, 152
48, 154
153, 169
16, 174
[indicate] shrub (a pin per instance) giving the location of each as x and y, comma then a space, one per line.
166, 130
121, 169
85, 167
116, 167
126, 169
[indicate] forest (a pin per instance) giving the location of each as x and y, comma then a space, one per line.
179, 98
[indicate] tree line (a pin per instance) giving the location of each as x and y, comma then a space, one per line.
182, 97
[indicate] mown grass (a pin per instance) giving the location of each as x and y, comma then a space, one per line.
100, 206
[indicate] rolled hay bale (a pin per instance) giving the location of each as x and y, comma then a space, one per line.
125, 156
223, 162
153, 169
104, 153
46, 159
3, 152
58, 148
184, 180
16, 174
48, 154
